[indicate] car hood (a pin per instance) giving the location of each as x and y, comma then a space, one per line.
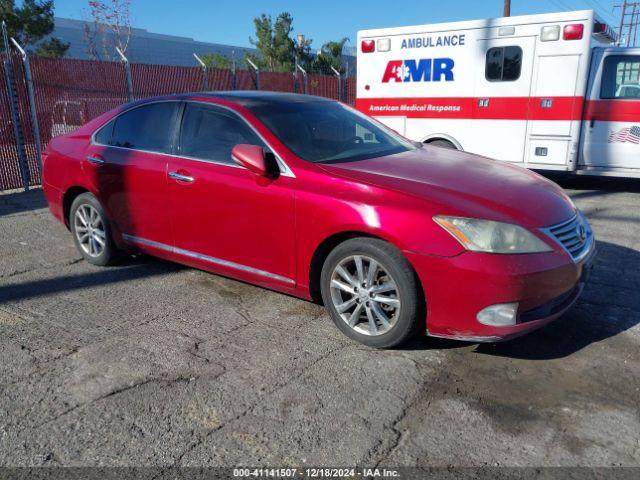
458, 183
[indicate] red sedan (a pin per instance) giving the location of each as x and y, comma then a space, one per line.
307, 196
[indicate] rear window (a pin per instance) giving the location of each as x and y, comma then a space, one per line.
503, 64
147, 128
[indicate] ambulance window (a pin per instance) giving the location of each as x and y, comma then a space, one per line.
621, 77
503, 64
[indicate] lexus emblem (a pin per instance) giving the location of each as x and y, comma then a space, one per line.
582, 233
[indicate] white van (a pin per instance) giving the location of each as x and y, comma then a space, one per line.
547, 91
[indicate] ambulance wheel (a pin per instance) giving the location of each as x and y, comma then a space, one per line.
442, 144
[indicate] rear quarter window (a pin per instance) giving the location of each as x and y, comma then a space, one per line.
103, 136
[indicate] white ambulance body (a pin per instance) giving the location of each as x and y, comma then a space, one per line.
547, 91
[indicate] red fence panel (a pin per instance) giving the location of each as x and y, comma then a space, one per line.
277, 81
246, 80
350, 87
153, 80
323, 86
9, 170
25, 120
70, 92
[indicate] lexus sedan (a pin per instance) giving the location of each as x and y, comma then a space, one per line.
309, 197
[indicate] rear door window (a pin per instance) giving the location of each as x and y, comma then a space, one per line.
210, 133
148, 128
621, 77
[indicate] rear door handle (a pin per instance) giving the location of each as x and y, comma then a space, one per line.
181, 177
95, 160
592, 122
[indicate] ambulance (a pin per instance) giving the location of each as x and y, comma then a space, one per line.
550, 91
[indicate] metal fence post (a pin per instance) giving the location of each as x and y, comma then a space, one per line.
127, 71
233, 70
15, 112
205, 73
304, 78
339, 78
255, 67
32, 102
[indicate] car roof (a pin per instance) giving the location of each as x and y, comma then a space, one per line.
254, 98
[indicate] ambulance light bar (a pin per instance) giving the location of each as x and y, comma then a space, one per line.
604, 33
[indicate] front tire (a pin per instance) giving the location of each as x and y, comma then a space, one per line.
91, 231
371, 293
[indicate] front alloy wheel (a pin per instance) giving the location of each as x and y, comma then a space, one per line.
372, 293
365, 295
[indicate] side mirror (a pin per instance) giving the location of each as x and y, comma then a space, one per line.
251, 157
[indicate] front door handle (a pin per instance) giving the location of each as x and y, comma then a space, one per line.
592, 122
95, 160
181, 177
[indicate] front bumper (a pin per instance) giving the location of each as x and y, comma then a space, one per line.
545, 285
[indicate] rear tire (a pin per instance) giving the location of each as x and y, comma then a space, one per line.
91, 231
442, 144
372, 293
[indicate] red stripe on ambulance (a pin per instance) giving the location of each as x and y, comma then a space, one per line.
613, 110
494, 108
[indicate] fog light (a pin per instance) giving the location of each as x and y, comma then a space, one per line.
500, 315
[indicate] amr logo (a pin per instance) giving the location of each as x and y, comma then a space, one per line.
423, 70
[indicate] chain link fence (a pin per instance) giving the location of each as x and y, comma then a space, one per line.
68, 92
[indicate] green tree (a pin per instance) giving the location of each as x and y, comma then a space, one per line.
330, 55
277, 49
216, 60
53, 48
29, 23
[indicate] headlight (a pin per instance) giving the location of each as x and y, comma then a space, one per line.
493, 237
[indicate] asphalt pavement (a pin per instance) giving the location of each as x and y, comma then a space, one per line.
155, 364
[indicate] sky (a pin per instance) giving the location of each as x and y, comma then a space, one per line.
230, 21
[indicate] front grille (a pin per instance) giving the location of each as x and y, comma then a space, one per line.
574, 235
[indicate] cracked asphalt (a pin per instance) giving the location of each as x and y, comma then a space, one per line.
155, 364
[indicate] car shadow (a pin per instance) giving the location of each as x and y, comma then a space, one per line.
593, 186
18, 202
135, 267
608, 306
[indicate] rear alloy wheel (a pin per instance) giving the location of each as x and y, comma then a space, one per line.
91, 230
371, 292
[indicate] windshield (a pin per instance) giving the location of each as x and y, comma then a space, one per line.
328, 132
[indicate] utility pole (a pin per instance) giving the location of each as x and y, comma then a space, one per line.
507, 8
622, 15
629, 20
